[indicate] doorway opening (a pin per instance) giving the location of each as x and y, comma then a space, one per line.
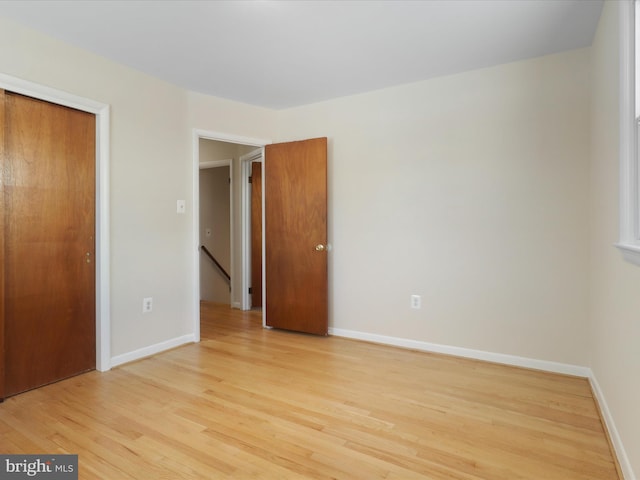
216, 157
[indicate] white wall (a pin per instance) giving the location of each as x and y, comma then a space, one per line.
470, 190
615, 301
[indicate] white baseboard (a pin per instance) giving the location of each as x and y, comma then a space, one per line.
151, 350
525, 362
623, 459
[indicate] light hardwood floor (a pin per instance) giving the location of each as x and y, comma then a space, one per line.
252, 403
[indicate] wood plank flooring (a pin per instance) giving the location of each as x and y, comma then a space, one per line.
252, 403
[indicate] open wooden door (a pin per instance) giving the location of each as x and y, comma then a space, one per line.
296, 236
47, 167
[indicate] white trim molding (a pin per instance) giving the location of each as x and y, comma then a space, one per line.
631, 253
256, 155
614, 436
103, 275
629, 238
216, 163
151, 350
513, 360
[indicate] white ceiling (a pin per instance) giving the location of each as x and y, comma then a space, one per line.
280, 54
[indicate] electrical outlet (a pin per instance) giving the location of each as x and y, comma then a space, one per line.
416, 301
147, 304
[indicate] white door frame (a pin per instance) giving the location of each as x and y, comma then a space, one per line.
195, 234
245, 162
101, 111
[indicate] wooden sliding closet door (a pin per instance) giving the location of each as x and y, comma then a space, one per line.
48, 207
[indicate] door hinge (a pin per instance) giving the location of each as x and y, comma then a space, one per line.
250, 179
229, 180
250, 290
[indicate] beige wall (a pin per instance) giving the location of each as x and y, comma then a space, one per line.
470, 190
224, 116
614, 300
